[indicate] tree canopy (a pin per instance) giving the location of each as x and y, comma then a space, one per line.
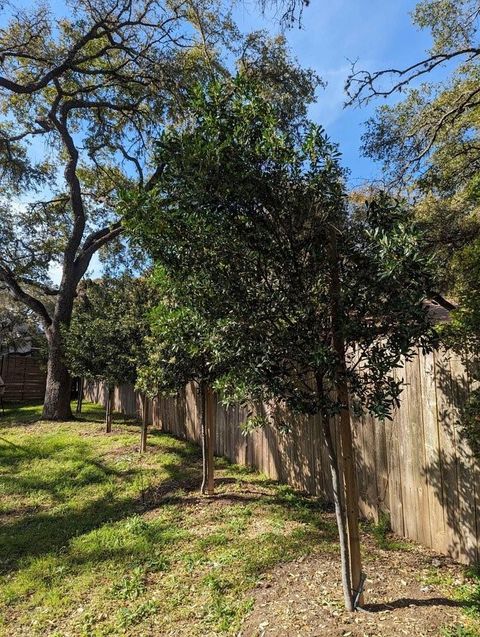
241, 197
428, 141
82, 98
106, 337
251, 219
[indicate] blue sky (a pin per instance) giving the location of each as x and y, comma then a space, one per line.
379, 33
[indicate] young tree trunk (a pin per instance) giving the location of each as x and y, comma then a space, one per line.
210, 427
143, 437
347, 464
108, 410
351, 496
81, 383
56, 405
340, 513
203, 433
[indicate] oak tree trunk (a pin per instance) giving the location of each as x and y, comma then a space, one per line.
56, 404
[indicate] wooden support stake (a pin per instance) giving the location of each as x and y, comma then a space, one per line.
210, 431
351, 498
108, 412
203, 435
144, 433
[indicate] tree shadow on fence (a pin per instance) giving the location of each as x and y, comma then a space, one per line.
453, 474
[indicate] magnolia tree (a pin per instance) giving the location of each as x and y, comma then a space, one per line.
106, 337
317, 303
179, 351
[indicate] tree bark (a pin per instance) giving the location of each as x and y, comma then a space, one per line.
56, 404
81, 383
143, 438
347, 465
340, 513
203, 433
108, 411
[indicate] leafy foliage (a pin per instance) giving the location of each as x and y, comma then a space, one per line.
106, 337
242, 220
89, 89
428, 141
19, 328
462, 334
178, 348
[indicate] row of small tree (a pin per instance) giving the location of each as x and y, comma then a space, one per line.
274, 285
130, 331
269, 282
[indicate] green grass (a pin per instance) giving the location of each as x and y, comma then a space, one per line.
97, 540
382, 534
466, 591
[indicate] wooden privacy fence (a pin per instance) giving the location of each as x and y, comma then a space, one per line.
24, 377
416, 468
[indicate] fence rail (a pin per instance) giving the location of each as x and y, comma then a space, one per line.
417, 467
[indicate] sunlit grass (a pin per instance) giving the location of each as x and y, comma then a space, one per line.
98, 540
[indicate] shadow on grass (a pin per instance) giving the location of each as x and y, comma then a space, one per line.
20, 414
42, 533
58, 465
97, 415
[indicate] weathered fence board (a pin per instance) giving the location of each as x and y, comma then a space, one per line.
417, 468
24, 377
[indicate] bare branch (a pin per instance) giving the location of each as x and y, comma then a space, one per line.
362, 86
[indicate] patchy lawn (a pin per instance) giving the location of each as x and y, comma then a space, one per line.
97, 540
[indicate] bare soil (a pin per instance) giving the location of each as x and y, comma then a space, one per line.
304, 598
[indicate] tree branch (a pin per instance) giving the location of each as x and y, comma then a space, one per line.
92, 244
46, 289
361, 86
7, 276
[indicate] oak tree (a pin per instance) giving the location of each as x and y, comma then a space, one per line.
427, 140
82, 90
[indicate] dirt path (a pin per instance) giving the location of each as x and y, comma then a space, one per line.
304, 598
